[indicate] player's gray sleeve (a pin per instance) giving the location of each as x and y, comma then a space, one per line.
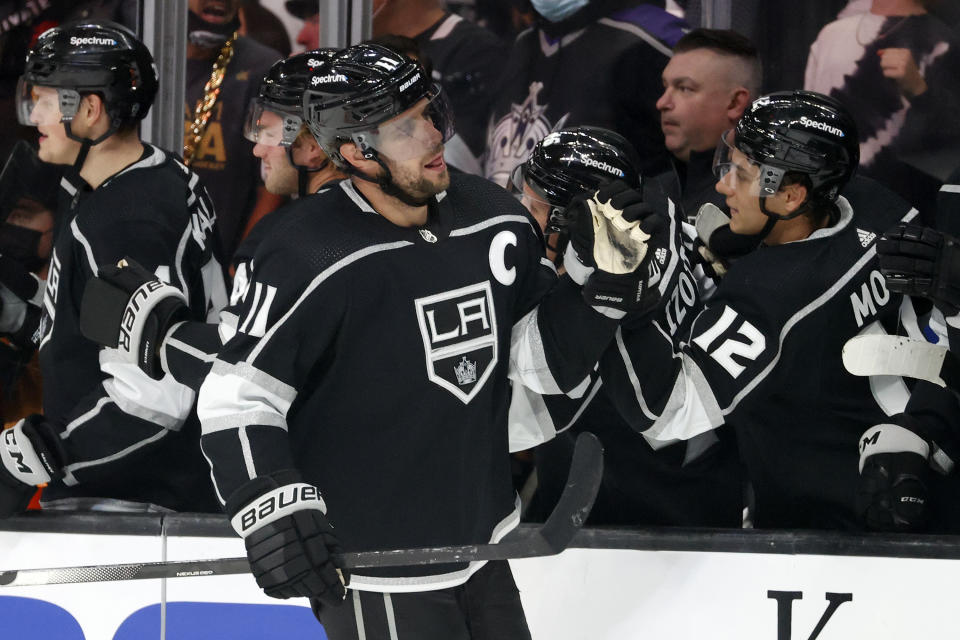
130, 407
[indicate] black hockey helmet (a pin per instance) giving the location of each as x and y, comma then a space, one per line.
360, 89
80, 58
798, 131
573, 161
281, 93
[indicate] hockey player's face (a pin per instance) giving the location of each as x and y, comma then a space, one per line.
740, 185
55, 146
279, 176
412, 148
698, 102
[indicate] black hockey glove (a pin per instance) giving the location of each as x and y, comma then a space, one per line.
31, 455
919, 261
291, 546
894, 479
128, 308
618, 246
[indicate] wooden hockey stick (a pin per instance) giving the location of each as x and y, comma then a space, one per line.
884, 355
567, 518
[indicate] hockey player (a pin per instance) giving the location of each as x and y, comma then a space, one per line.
292, 161
764, 356
402, 282
691, 483
110, 437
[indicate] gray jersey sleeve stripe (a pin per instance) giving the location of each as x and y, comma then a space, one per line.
69, 471
80, 420
480, 226
691, 408
88, 250
528, 360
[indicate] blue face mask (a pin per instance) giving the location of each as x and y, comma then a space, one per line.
557, 10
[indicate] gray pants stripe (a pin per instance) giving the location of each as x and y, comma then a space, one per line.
358, 612
391, 621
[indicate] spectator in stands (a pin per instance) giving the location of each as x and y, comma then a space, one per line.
593, 62
214, 145
263, 25
466, 60
308, 11
895, 67
711, 78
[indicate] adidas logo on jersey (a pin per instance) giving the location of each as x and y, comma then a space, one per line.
866, 237
661, 255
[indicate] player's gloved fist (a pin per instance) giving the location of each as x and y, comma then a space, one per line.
31, 455
894, 479
128, 308
920, 261
629, 247
291, 546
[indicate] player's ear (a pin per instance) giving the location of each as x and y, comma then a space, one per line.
352, 154
794, 195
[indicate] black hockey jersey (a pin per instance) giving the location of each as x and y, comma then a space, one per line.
128, 437
374, 359
764, 357
605, 74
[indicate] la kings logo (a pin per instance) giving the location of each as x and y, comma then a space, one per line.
511, 140
459, 331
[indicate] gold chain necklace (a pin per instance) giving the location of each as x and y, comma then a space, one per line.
211, 90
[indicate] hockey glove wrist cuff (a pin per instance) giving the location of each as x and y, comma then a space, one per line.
575, 268
276, 504
30, 452
891, 438
130, 309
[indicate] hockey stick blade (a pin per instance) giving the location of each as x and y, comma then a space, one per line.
557, 532
884, 355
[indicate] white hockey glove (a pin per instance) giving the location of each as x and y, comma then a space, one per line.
894, 477
291, 546
31, 455
129, 309
614, 234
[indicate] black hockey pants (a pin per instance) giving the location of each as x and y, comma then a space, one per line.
486, 607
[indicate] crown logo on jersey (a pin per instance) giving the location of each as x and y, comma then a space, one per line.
427, 235
512, 138
866, 237
466, 372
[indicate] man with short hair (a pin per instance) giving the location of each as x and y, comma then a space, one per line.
711, 78
110, 437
